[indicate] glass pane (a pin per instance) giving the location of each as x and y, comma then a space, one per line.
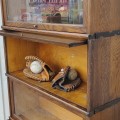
45, 11
27, 104
30, 105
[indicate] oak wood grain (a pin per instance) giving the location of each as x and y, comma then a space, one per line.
68, 42
72, 28
103, 16
59, 57
49, 27
17, 50
80, 93
103, 71
112, 113
29, 108
51, 33
36, 107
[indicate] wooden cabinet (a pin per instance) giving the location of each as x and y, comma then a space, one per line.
35, 106
86, 37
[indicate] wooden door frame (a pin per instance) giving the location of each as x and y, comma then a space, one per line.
47, 26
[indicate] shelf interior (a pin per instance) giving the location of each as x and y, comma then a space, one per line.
57, 57
80, 94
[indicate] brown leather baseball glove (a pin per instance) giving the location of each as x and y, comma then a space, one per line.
63, 82
45, 75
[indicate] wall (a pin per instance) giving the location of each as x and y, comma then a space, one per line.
4, 104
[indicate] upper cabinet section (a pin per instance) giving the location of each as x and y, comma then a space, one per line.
72, 16
45, 11
51, 15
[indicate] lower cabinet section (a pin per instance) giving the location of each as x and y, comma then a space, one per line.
29, 104
111, 113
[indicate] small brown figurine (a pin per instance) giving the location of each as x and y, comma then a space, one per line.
37, 69
67, 79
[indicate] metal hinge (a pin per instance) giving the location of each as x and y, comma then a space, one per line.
104, 34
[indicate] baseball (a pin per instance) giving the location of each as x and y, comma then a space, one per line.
36, 67
72, 75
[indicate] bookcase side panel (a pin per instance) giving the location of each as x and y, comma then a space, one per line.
104, 71
103, 15
111, 113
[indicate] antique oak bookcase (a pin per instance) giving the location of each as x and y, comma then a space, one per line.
84, 34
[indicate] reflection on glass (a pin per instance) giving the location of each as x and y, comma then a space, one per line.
46, 11
30, 107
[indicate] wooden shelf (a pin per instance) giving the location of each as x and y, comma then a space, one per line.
80, 95
66, 41
46, 32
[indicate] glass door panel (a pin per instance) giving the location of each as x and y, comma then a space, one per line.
45, 11
30, 105
27, 104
